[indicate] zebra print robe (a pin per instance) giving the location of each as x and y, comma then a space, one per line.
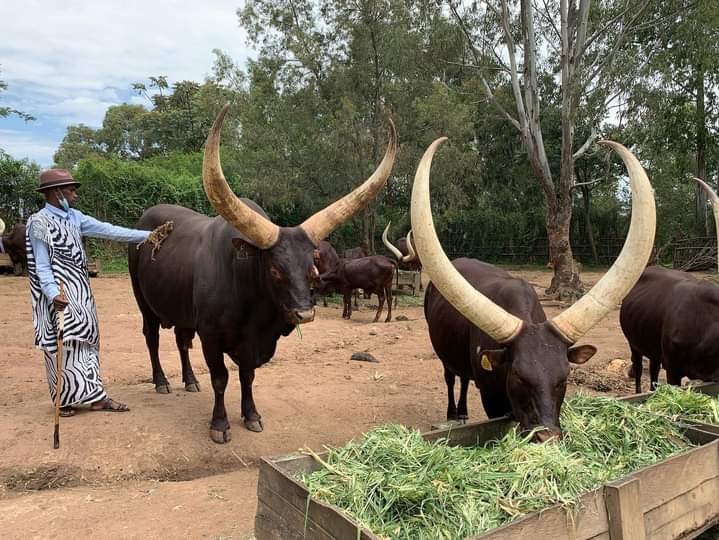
81, 382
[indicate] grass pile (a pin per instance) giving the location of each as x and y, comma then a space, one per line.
677, 401
400, 486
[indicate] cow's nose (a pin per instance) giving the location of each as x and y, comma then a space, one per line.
305, 315
547, 435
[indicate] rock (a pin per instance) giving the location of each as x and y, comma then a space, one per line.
363, 357
616, 365
397, 337
401, 318
373, 331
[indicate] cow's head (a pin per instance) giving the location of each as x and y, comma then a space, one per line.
536, 356
287, 253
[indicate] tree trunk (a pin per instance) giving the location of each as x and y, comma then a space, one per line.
586, 199
702, 219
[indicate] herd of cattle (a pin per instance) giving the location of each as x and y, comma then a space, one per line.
247, 281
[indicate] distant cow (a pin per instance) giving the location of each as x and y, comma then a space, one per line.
489, 327
672, 318
404, 252
356, 252
373, 274
237, 280
327, 261
13, 243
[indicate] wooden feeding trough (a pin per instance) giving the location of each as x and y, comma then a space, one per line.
674, 498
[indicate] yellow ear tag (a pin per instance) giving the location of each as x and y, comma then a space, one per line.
486, 364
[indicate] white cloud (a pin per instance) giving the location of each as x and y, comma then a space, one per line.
25, 145
66, 61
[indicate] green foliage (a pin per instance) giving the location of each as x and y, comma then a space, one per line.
18, 180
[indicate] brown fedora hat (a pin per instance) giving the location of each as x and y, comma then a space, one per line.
53, 178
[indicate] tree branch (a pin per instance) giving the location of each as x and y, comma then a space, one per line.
582, 149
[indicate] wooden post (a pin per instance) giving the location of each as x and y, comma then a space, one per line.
624, 510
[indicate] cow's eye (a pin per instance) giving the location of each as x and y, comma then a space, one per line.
276, 274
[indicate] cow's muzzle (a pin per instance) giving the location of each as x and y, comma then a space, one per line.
301, 316
546, 435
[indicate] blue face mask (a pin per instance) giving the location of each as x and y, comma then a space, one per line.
63, 201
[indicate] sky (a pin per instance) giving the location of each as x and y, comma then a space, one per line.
66, 62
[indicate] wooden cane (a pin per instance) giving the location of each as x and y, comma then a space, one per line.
58, 369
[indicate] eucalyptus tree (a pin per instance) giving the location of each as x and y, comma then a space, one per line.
584, 45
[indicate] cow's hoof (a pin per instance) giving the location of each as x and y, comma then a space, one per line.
220, 437
192, 387
163, 389
253, 425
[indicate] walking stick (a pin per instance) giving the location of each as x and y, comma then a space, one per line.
58, 369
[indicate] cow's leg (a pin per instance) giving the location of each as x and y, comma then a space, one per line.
380, 298
183, 339
356, 294
637, 370
451, 405
654, 367
324, 300
420, 281
347, 301
151, 330
462, 412
219, 425
252, 418
388, 293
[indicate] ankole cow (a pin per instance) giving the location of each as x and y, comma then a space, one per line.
13, 243
488, 326
404, 252
672, 318
237, 280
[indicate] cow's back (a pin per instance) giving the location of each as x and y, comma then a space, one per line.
168, 284
648, 307
452, 335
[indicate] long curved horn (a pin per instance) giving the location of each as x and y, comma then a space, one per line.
609, 291
396, 252
257, 228
319, 225
711, 194
411, 253
2, 226
502, 326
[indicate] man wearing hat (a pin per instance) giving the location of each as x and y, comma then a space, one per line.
55, 254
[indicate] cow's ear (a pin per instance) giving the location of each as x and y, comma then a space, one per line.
486, 360
580, 353
244, 248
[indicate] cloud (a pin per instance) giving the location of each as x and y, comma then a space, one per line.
67, 62
27, 145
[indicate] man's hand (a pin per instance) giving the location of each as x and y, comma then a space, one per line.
157, 236
60, 302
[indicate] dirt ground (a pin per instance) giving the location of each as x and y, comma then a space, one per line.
154, 473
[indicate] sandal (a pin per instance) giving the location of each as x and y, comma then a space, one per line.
108, 404
66, 412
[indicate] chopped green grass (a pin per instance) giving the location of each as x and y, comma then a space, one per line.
677, 401
400, 486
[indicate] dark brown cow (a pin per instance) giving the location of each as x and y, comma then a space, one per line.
489, 327
13, 244
237, 280
672, 318
404, 252
357, 252
327, 262
372, 274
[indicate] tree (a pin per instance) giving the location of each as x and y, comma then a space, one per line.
582, 43
7, 111
79, 142
18, 197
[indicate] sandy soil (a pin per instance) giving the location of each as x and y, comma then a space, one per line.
154, 473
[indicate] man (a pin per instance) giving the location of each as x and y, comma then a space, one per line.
55, 254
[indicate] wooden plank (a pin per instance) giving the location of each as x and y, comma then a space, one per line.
689, 525
689, 511
294, 494
5, 261
626, 520
473, 433
671, 477
557, 523
273, 521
